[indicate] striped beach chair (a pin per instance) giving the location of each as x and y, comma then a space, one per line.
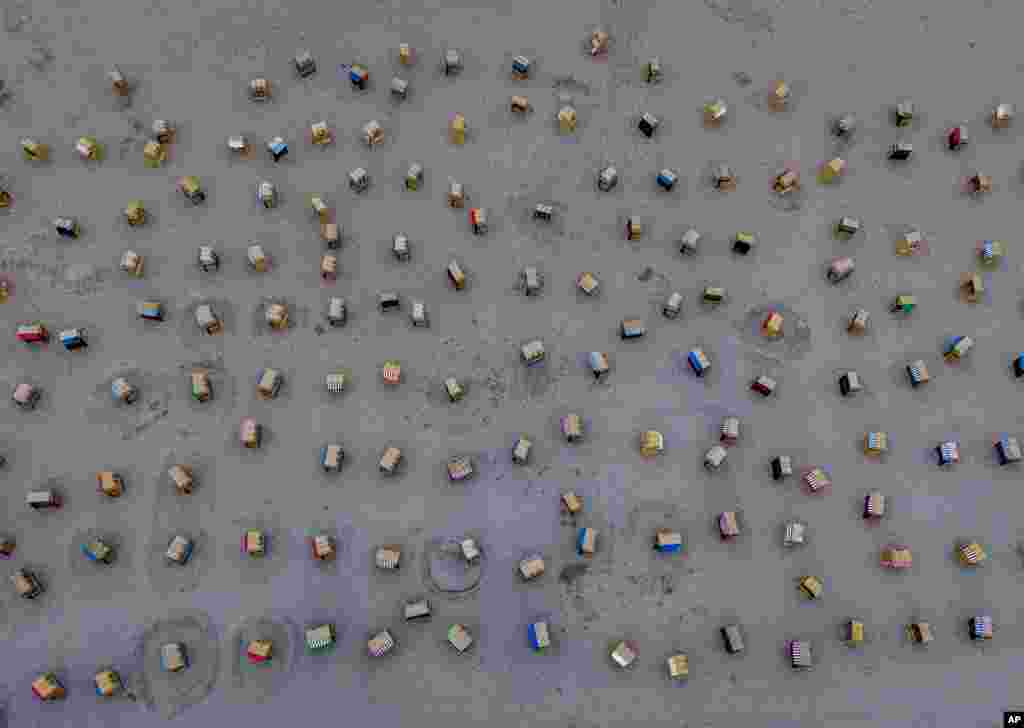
816, 480
874, 505
380, 644
254, 542
335, 383
320, 638
949, 452
918, 373
800, 654
392, 372
794, 534
730, 430
388, 557
782, 467
971, 554
876, 443
712, 295
981, 627
990, 251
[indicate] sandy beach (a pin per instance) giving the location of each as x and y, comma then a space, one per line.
191, 64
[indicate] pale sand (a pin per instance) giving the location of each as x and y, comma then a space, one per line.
191, 66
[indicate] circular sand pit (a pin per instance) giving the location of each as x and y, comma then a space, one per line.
793, 342
295, 317
167, 577
217, 398
172, 692
262, 568
521, 207
128, 418
196, 334
446, 569
19, 610
81, 566
258, 682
